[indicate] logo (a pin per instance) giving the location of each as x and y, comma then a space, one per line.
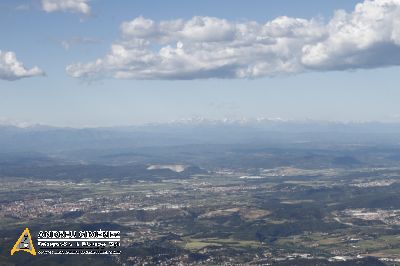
24, 243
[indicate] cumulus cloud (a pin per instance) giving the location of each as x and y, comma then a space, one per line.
12, 69
366, 38
76, 6
209, 47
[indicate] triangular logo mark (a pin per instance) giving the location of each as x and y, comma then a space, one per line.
24, 243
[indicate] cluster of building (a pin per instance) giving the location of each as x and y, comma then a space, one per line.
389, 217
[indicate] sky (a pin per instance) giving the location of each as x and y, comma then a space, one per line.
111, 63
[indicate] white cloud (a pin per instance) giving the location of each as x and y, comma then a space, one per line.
12, 69
208, 47
77, 40
23, 7
366, 38
76, 6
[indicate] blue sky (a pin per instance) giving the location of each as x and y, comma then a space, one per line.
292, 82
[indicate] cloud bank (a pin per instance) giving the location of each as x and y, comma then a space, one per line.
76, 6
12, 69
209, 47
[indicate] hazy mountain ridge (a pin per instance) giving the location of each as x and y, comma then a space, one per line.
156, 143
57, 139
